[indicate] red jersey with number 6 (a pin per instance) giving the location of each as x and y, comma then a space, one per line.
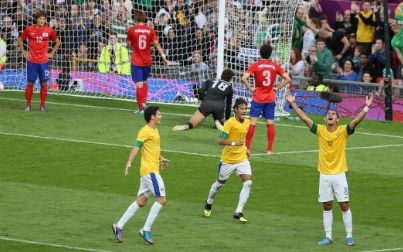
142, 38
265, 73
38, 42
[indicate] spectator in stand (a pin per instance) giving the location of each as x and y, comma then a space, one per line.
83, 58
347, 72
365, 21
344, 22
114, 58
202, 44
310, 31
367, 77
364, 66
296, 65
95, 34
199, 66
200, 19
377, 57
322, 61
397, 44
337, 42
3, 51
298, 32
171, 45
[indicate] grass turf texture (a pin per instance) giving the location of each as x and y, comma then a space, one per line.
69, 193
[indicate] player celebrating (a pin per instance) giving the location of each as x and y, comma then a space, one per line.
38, 36
332, 165
233, 159
215, 95
141, 37
148, 140
263, 103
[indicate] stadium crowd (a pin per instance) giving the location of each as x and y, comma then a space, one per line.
352, 49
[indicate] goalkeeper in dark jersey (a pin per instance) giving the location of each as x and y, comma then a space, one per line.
215, 95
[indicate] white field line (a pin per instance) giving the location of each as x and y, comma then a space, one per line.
52, 245
186, 152
382, 250
187, 115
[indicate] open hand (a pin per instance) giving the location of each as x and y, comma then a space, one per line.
369, 99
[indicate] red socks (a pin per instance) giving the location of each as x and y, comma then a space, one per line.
44, 94
249, 135
29, 91
270, 137
141, 94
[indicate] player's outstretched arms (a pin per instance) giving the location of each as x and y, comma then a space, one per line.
361, 115
132, 155
291, 99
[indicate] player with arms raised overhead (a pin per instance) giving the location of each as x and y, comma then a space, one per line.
263, 103
233, 159
148, 140
332, 165
38, 36
141, 38
215, 95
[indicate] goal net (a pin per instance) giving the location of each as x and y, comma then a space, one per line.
187, 31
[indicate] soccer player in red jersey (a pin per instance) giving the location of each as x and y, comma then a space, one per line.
38, 36
141, 38
263, 103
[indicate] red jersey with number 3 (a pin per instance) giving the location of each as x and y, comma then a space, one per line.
142, 38
38, 42
265, 73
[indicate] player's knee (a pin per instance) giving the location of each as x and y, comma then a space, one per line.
162, 200
247, 183
141, 200
327, 206
344, 206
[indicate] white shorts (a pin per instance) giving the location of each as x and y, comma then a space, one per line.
333, 185
152, 183
225, 170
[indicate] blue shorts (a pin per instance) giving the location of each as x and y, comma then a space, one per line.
265, 109
140, 73
35, 70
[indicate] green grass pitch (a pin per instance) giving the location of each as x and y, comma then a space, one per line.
62, 183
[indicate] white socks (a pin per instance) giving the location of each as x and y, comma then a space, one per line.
348, 222
213, 191
152, 215
128, 214
244, 195
327, 223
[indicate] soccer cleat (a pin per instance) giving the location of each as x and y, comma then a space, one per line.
180, 127
118, 232
350, 242
28, 108
146, 235
240, 217
325, 241
42, 108
207, 210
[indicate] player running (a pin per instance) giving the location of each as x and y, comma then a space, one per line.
233, 159
148, 140
263, 103
38, 36
215, 95
141, 38
332, 165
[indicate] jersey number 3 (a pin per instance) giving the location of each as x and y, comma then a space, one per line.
267, 77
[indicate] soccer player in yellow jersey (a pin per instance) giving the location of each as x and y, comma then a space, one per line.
234, 158
332, 165
148, 140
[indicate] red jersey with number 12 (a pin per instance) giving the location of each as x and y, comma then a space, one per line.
265, 73
38, 42
142, 38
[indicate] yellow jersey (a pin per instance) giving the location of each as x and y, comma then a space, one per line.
365, 33
234, 131
332, 148
148, 139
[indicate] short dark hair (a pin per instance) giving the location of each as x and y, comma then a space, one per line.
265, 51
239, 101
150, 111
227, 74
40, 13
140, 16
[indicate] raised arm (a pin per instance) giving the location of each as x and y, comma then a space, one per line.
361, 115
308, 121
132, 155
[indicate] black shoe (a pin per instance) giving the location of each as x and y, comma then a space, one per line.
240, 217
